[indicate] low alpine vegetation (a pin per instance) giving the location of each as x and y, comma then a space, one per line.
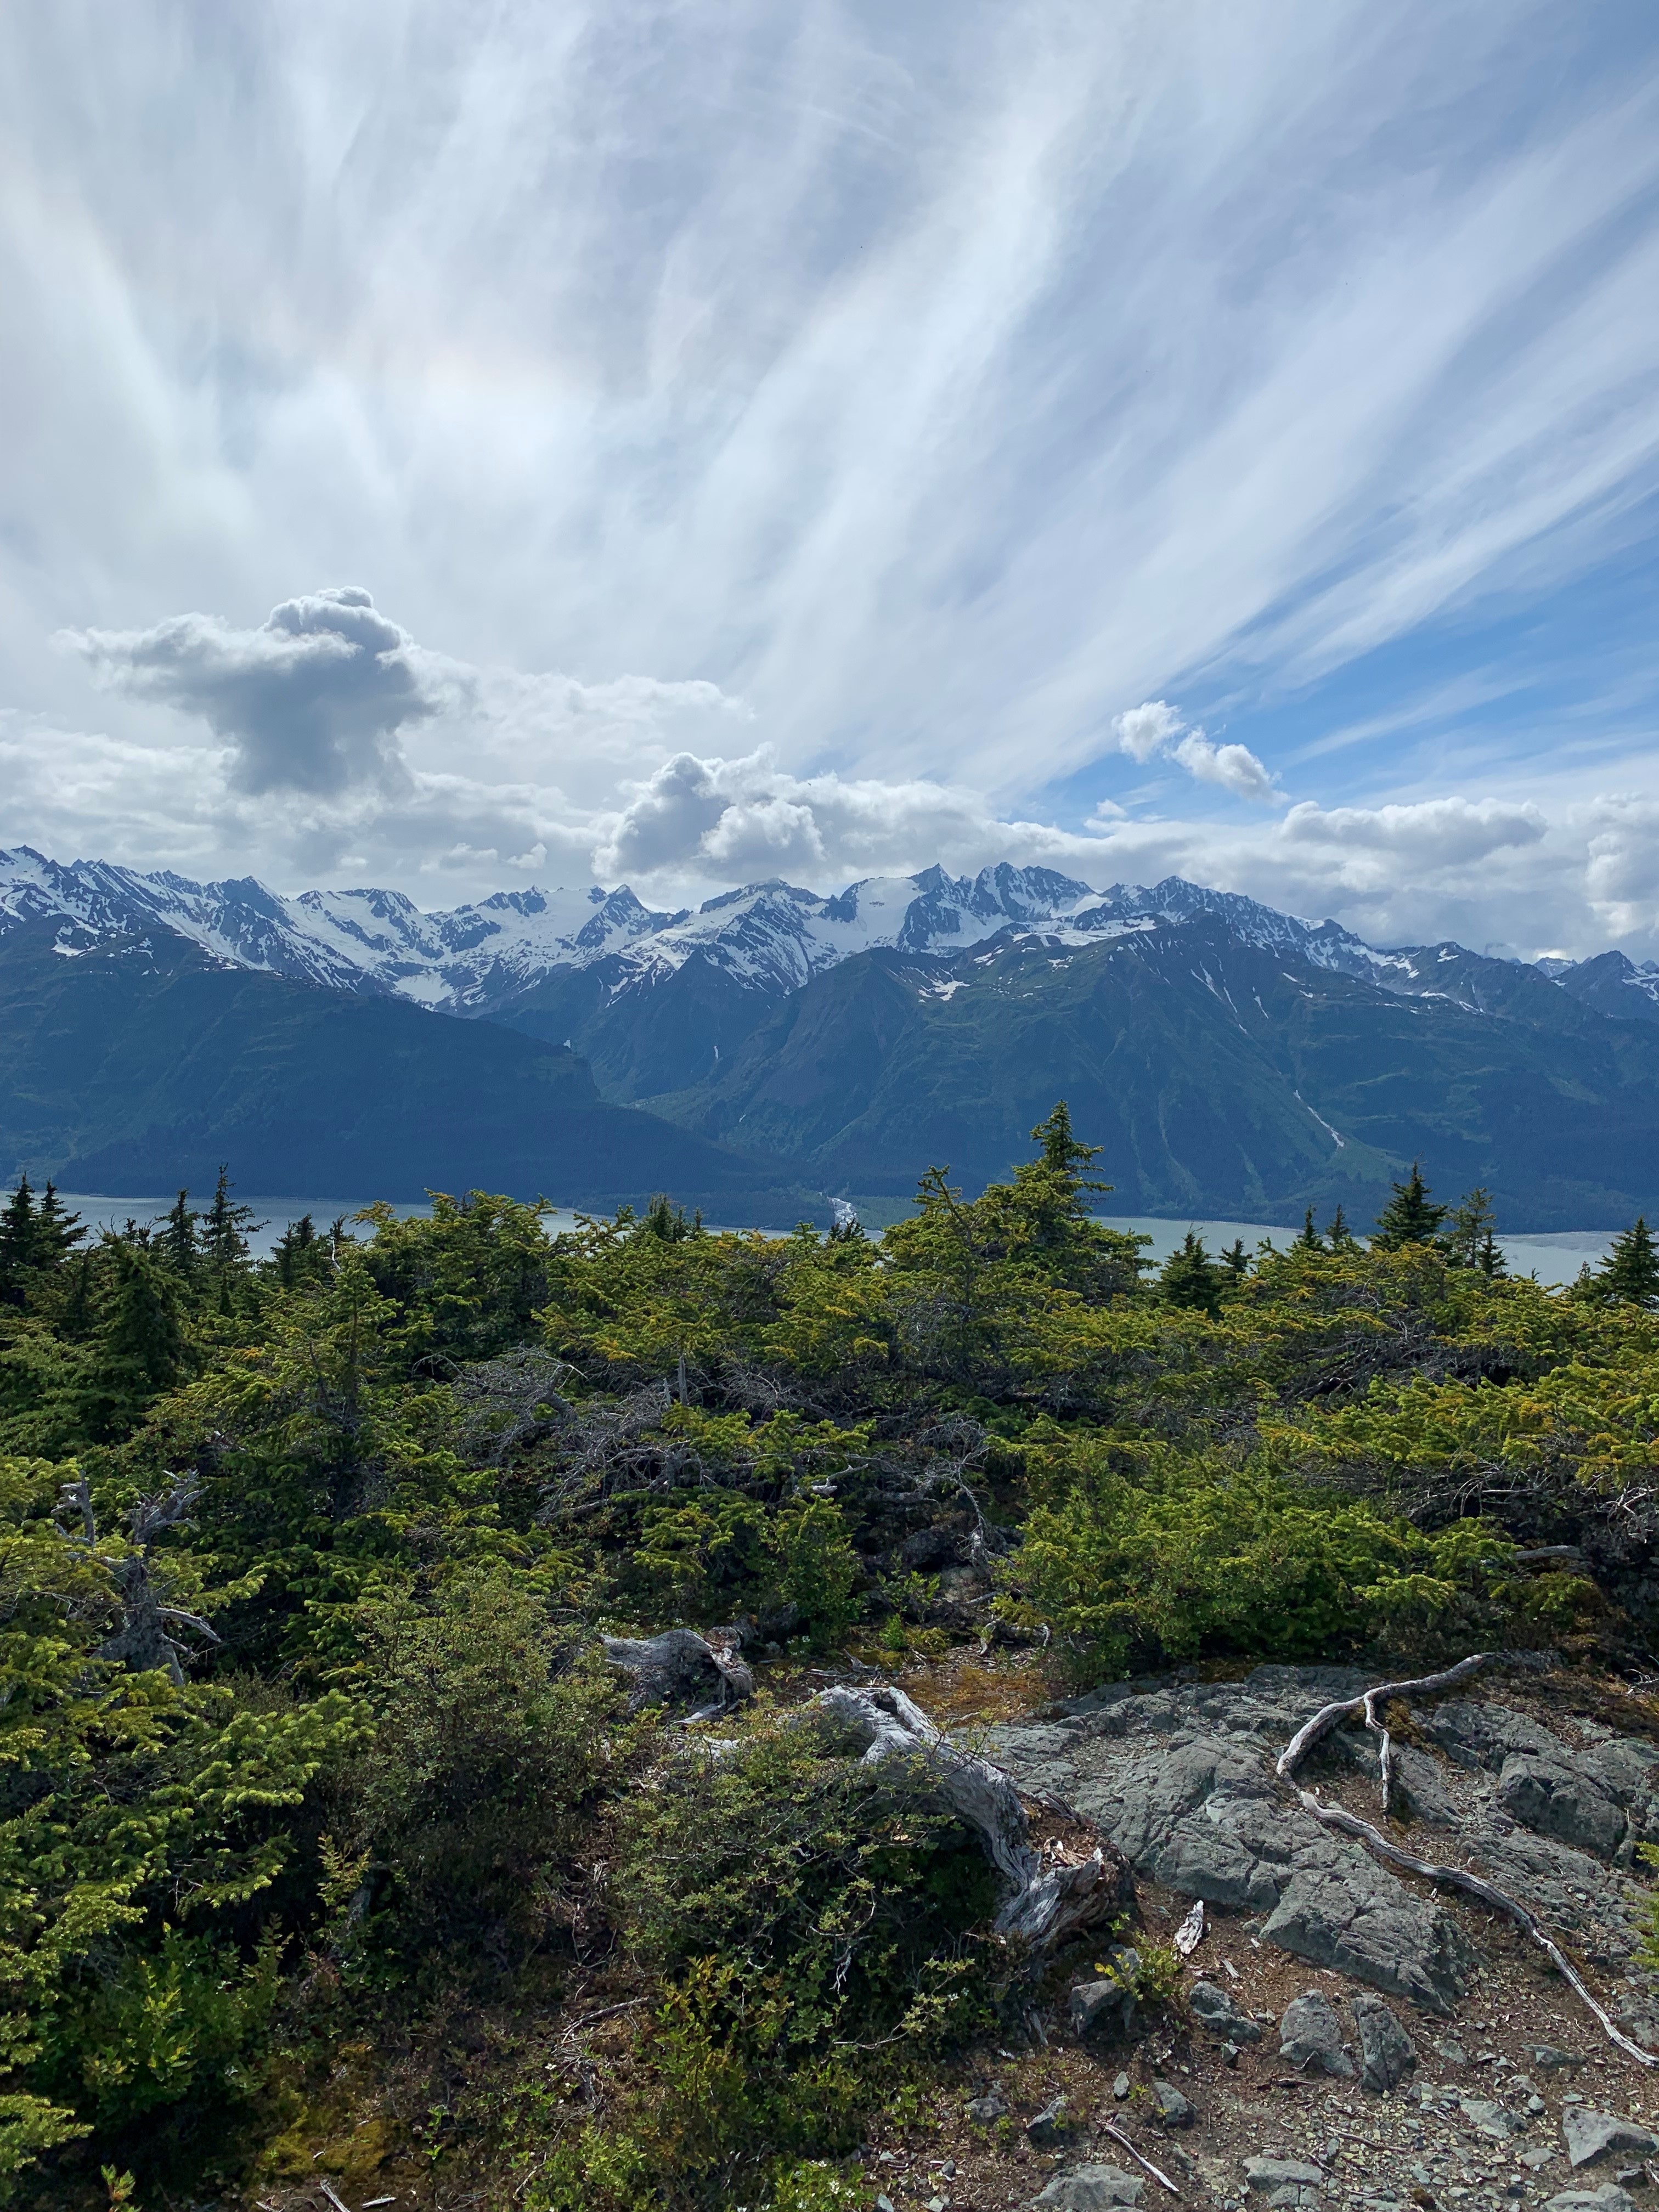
315, 1772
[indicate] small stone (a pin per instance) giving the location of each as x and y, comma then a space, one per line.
1592, 2135
1102, 2004
1121, 2087
1609, 2198
1451, 2051
1264, 2175
1213, 2009
1540, 2156
1386, 2051
1490, 2117
1536, 2104
884, 2203
939, 2204
1311, 2036
1092, 2189
985, 2111
1172, 2110
1545, 2056
1049, 2130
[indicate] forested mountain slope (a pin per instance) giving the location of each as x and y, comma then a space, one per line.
1224, 1078
137, 1064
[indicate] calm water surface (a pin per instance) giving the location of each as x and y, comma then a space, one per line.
1555, 1258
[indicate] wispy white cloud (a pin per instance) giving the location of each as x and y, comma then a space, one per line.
905, 391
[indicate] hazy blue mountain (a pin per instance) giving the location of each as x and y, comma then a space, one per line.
1221, 1076
1613, 985
135, 1064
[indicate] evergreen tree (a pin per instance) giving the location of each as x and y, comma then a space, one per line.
17, 1225
301, 1255
667, 1222
1236, 1261
1630, 1271
224, 1240
140, 1348
1410, 1216
179, 1245
1339, 1236
1190, 1278
1471, 1239
1308, 1239
57, 1231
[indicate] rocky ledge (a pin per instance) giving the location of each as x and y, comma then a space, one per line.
1179, 1775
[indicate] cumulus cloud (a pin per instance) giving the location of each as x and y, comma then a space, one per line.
1140, 731
1156, 728
312, 700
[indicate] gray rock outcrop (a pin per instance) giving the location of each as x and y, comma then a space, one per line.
1179, 1775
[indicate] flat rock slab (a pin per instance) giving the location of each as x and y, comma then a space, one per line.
1179, 1775
1609, 2198
1592, 2135
1093, 2189
1288, 2185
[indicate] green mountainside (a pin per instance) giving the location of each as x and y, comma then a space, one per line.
133, 1064
1221, 1078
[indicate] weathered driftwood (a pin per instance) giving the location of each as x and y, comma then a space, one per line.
144, 1640
1336, 1816
1043, 1905
680, 1667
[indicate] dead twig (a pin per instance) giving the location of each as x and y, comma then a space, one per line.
1118, 2137
1336, 1816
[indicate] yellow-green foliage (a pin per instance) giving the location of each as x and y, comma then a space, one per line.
432, 1460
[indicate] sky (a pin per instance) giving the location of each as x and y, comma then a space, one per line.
455, 446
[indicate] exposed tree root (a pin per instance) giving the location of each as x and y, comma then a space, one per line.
1044, 1905
1335, 1816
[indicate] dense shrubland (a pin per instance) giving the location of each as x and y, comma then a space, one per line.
309, 1745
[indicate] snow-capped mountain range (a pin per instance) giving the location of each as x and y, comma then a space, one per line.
770, 938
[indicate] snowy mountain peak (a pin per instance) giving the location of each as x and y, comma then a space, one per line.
770, 937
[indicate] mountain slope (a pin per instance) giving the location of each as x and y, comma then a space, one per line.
1220, 1076
136, 1064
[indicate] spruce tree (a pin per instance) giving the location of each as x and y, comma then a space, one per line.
57, 1231
179, 1243
1410, 1216
1471, 1239
1308, 1239
1235, 1259
224, 1240
16, 1242
1630, 1271
140, 1348
1339, 1236
1190, 1278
